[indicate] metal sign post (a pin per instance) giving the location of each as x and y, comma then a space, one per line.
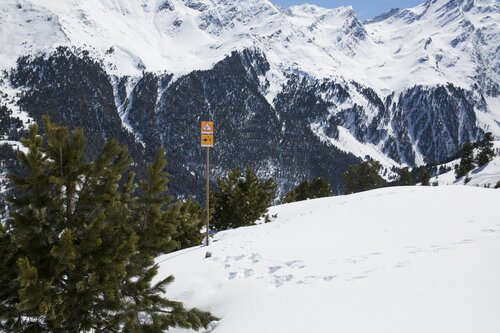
207, 141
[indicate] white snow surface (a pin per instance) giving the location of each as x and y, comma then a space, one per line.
178, 36
402, 259
348, 143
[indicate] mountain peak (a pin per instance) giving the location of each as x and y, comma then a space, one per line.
465, 5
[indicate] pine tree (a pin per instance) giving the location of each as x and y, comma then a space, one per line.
188, 219
319, 188
486, 152
291, 196
240, 199
424, 177
8, 292
316, 188
362, 177
79, 245
466, 161
405, 178
154, 229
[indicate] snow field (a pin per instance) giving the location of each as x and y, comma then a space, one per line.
406, 259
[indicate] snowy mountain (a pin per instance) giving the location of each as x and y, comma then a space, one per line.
297, 92
435, 43
405, 259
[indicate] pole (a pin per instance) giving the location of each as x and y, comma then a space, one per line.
207, 193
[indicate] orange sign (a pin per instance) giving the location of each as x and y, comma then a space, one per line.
207, 140
207, 127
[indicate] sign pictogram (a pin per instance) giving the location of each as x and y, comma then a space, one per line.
207, 140
207, 127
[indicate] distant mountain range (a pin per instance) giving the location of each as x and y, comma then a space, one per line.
295, 93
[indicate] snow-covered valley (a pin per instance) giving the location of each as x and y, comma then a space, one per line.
405, 259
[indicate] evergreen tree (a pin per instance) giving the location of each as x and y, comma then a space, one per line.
154, 229
486, 152
466, 161
188, 219
405, 178
8, 292
316, 188
319, 188
424, 177
83, 243
240, 199
362, 177
291, 196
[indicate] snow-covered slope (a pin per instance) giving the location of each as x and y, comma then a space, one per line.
405, 259
452, 41
437, 42
485, 176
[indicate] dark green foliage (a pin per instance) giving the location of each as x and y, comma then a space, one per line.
78, 250
75, 90
363, 177
316, 188
150, 210
405, 178
240, 199
497, 185
486, 152
8, 291
444, 169
188, 219
10, 127
466, 161
424, 177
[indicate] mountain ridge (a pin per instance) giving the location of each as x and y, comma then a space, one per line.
403, 92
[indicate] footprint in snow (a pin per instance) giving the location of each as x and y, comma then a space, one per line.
249, 272
465, 241
401, 264
358, 277
437, 248
273, 269
278, 281
255, 258
295, 264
